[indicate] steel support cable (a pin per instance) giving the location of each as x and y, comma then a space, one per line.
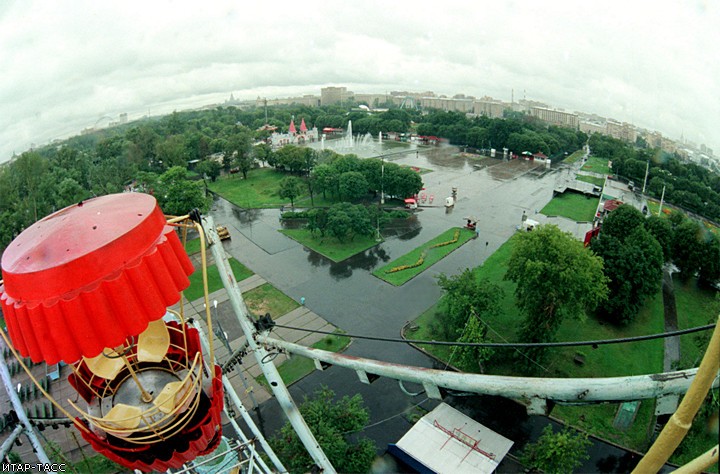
597, 342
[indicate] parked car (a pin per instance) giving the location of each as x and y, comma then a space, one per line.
222, 232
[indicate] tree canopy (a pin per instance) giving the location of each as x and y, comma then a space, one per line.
290, 188
556, 277
466, 302
633, 261
331, 421
557, 453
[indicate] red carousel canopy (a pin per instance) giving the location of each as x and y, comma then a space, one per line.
89, 276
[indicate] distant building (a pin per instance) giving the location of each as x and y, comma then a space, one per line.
452, 105
373, 100
490, 107
307, 99
334, 95
593, 127
555, 117
622, 131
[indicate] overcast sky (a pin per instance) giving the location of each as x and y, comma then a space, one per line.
65, 65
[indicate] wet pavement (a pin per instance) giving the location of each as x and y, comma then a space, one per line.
348, 296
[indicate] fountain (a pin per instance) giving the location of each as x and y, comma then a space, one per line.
349, 140
362, 145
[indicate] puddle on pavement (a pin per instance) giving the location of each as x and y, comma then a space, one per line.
366, 260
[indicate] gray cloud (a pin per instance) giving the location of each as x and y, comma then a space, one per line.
66, 64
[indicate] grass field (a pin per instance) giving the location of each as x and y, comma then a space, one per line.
576, 156
596, 165
268, 299
298, 367
330, 247
195, 290
433, 256
260, 190
192, 246
695, 307
574, 206
591, 179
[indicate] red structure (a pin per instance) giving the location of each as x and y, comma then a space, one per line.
303, 127
89, 285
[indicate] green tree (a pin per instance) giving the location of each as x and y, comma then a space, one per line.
556, 277
622, 222
331, 421
209, 168
339, 223
709, 271
317, 221
466, 302
69, 192
262, 152
360, 222
687, 245
557, 453
661, 229
178, 195
239, 148
326, 178
353, 185
401, 182
634, 268
291, 158
465, 296
290, 188
171, 152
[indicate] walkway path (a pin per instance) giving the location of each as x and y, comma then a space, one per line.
228, 336
671, 356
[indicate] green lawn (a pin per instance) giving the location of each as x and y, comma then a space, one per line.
260, 190
192, 246
195, 290
695, 307
268, 299
577, 207
298, 367
591, 179
433, 255
575, 156
596, 165
331, 247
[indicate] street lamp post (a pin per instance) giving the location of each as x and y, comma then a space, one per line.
382, 180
